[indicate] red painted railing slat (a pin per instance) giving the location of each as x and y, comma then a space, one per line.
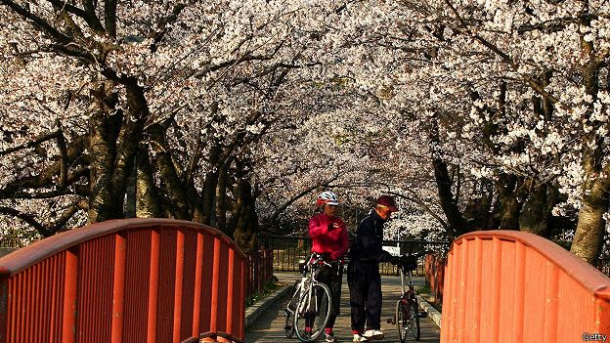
135, 280
516, 287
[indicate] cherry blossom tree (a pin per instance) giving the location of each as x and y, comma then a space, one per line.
474, 114
513, 96
517, 98
539, 101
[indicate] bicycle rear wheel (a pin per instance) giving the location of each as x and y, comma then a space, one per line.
414, 321
312, 314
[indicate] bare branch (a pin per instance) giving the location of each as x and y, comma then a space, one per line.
38, 22
35, 142
299, 195
26, 217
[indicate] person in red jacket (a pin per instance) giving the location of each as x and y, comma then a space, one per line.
329, 238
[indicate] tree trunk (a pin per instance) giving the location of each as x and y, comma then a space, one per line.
221, 201
246, 224
537, 210
208, 194
113, 145
166, 168
456, 224
588, 239
509, 214
103, 136
509, 207
131, 193
478, 210
148, 204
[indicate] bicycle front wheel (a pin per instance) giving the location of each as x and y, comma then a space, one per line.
407, 320
402, 320
290, 308
312, 313
288, 328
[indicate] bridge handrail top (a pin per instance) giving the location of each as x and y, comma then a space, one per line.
586, 274
28, 256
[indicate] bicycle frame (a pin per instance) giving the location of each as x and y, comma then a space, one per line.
409, 277
312, 268
407, 312
408, 291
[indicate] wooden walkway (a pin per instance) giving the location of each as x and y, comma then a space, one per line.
269, 328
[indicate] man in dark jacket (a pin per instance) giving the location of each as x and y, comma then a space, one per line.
363, 276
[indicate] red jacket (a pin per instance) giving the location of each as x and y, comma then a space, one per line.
328, 235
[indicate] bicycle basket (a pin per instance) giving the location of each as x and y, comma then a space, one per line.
409, 262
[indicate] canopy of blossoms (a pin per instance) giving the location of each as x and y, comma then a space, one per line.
474, 114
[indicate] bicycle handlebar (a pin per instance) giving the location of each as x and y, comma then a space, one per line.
409, 260
316, 258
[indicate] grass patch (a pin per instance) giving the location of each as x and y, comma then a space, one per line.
426, 292
425, 289
269, 287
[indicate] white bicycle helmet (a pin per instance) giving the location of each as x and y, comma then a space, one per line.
327, 198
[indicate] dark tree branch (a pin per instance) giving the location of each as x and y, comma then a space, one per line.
557, 24
64, 5
38, 22
73, 154
91, 16
298, 196
63, 149
68, 213
163, 24
14, 190
35, 142
110, 17
26, 217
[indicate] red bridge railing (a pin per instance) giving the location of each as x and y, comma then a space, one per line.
516, 287
434, 267
260, 270
133, 280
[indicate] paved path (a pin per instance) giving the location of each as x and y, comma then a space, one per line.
269, 327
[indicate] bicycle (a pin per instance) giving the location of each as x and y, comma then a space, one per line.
309, 308
407, 312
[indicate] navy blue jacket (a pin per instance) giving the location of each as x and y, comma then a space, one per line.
367, 245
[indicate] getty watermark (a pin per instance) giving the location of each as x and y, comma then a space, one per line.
594, 337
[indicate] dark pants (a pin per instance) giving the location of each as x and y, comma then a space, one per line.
332, 277
364, 284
